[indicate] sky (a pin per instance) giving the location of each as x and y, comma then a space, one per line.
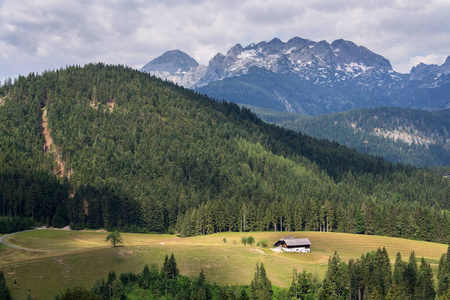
50, 34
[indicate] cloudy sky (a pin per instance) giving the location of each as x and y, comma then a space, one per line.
50, 34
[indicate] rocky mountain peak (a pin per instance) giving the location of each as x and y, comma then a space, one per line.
298, 43
319, 63
305, 76
422, 71
275, 46
446, 66
235, 50
447, 61
171, 61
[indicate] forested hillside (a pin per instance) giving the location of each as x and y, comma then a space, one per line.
130, 151
410, 136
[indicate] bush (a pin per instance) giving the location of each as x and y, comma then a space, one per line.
77, 226
263, 243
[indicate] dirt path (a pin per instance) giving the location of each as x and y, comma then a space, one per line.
49, 146
2, 240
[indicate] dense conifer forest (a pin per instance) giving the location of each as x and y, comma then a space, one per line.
404, 135
131, 152
400, 135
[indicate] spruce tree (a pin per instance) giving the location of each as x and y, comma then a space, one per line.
170, 269
261, 287
145, 280
425, 286
411, 275
337, 274
173, 268
4, 290
383, 271
444, 273
165, 268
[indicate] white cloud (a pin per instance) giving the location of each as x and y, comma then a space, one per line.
48, 34
436, 59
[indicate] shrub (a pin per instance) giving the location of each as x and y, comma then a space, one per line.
263, 243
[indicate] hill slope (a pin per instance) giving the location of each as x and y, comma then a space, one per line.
223, 263
416, 137
144, 155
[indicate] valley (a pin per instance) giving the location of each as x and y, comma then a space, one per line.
48, 273
156, 150
157, 161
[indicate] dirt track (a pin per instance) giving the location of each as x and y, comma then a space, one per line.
2, 240
49, 147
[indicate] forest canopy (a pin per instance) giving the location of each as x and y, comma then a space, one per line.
131, 152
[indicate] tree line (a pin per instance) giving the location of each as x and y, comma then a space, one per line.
412, 222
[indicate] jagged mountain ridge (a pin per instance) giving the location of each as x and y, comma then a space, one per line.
431, 74
322, 77
300, 56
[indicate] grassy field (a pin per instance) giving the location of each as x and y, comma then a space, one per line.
42, 274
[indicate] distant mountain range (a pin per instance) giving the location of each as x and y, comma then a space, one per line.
303, 76
416, 137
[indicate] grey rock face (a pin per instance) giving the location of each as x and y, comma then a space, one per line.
338, 76
172, 62
431, 76
308, 59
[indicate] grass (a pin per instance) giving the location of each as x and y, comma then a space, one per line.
47, 273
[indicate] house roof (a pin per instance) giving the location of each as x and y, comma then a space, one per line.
297, 242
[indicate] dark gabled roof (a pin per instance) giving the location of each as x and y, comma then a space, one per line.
297, 242
293, 242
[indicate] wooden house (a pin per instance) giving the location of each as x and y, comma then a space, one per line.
292, 244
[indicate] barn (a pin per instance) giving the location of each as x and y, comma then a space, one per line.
293, 244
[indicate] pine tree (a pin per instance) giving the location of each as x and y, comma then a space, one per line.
294, 289
4, 290
444, 273
425, 286
411, 274
173, 268
201, 289
165, 268
261, 287
356, 278
170, 269
383, 271
337, 274
398, 277
145, 282
327, 291
396, 293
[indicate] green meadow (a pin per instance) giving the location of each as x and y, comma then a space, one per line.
79, 258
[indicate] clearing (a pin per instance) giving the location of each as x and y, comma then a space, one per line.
43, 274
